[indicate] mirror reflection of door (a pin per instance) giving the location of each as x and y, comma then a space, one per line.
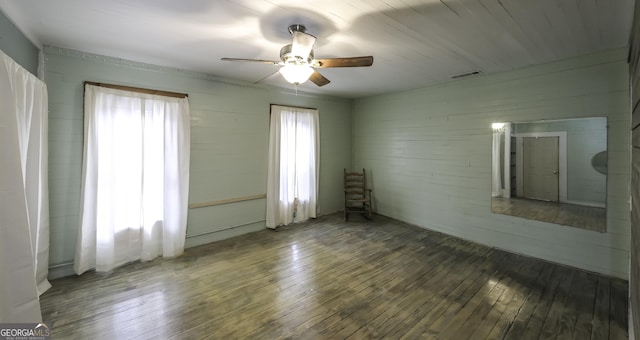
576, 148
540, 168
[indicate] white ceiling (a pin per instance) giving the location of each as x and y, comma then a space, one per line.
414, 43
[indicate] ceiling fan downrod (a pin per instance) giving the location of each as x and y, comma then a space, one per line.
297, 28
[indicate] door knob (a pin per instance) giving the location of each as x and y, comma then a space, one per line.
555, 172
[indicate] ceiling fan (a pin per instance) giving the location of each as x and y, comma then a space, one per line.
298, 60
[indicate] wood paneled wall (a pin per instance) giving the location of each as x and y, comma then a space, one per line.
229, 141
428, 155
634, 275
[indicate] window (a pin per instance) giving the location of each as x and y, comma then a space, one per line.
293, 165
135, 178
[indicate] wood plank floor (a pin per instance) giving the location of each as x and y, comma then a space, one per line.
327, 279
579, 216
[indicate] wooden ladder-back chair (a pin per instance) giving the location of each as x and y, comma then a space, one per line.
357, 198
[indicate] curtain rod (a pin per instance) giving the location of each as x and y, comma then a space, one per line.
139, 89
298, 107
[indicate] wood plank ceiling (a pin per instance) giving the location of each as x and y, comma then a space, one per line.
414, 43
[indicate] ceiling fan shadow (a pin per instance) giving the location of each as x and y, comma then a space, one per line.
273, 24
183, 7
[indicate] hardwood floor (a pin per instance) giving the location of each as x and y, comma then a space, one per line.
580, 216
329, 279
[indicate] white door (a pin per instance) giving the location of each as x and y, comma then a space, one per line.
540, 168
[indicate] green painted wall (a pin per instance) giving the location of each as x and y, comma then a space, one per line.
428, 153
229, 141
17, 46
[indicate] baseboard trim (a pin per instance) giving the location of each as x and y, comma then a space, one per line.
66, 269
61, 270
597, 270
587, 204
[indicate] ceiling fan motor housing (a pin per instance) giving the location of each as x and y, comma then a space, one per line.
288, 58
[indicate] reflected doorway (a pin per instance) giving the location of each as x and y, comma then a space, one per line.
540, 168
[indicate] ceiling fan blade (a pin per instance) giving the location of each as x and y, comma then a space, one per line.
302, 44
269, 76
343, 62
272, 62
319, 79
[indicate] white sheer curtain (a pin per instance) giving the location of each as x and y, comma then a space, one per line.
496, 164
24, 201
135, 178
292, 182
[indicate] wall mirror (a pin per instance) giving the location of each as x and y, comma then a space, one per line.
553, 171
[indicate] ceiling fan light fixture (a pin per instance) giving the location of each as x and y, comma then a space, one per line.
296, 74
298, 59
